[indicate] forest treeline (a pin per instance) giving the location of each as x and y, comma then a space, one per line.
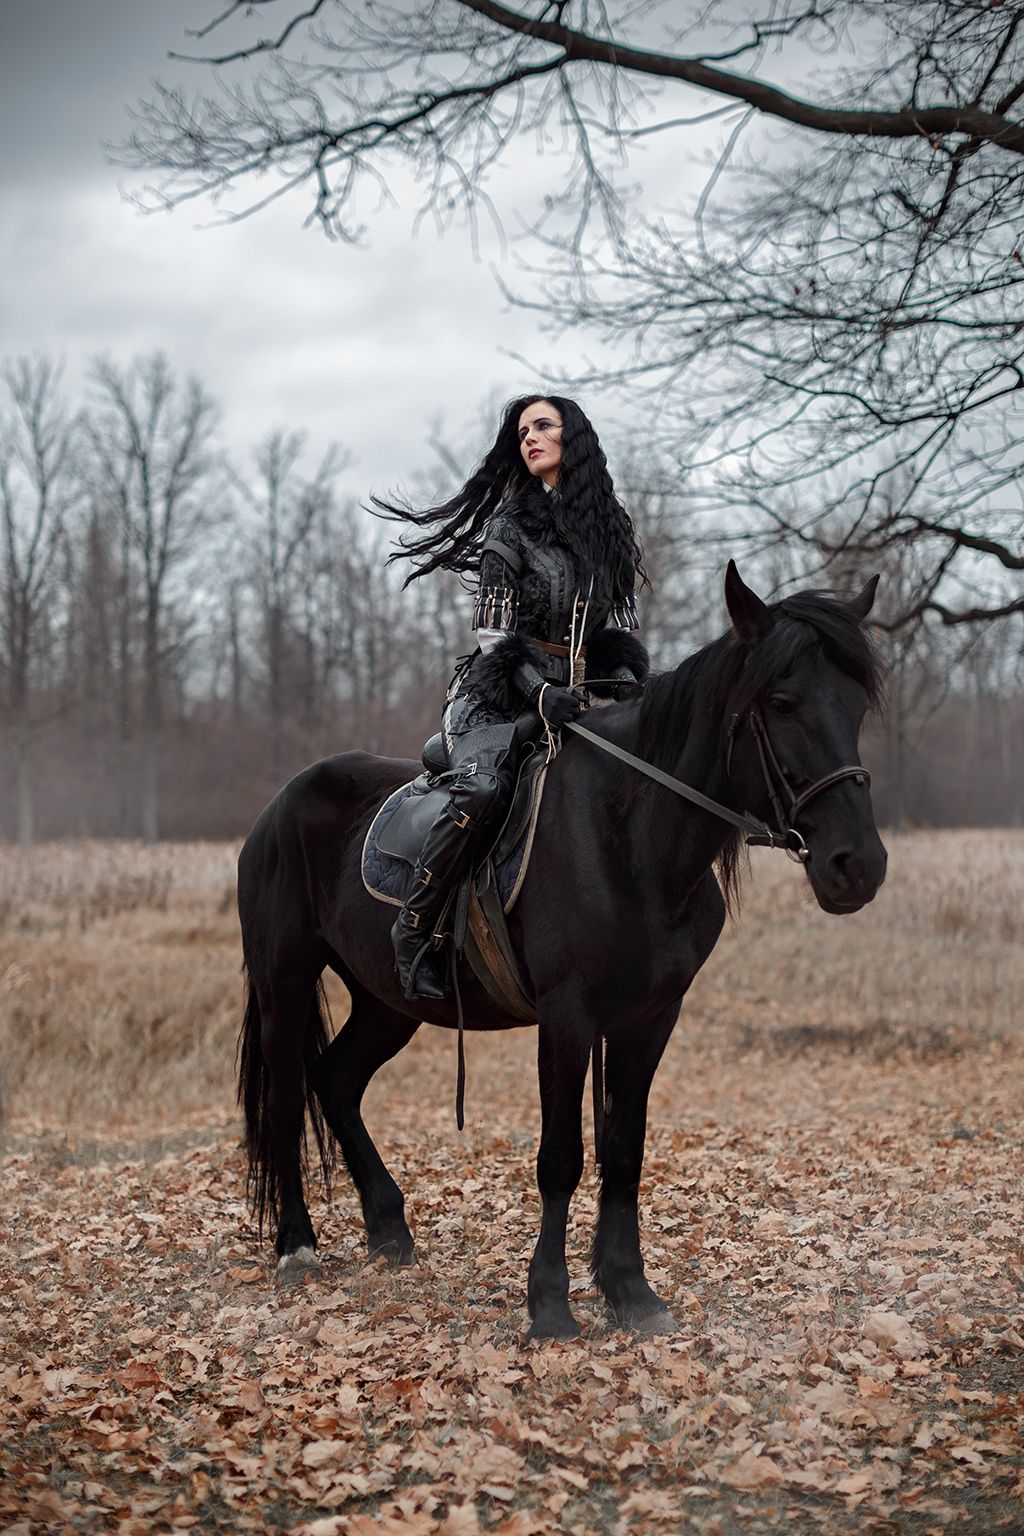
180, 633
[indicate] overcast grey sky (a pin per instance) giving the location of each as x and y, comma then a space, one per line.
367, 347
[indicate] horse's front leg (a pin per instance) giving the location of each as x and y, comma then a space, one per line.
632, 1058
563, 1053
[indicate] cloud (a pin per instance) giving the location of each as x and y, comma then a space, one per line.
366, 346
68, 68
363, 346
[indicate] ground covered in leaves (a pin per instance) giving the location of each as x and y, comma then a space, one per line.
831, 1207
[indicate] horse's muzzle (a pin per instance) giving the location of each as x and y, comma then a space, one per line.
848, 877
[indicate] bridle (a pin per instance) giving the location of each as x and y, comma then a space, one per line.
776, 782
776, 779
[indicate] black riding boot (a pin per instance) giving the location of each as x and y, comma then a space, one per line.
419, 952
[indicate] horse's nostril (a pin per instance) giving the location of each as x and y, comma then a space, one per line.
843, 867
853, 871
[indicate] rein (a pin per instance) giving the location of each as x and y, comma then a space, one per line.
758, 833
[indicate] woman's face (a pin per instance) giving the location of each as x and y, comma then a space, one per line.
540, 440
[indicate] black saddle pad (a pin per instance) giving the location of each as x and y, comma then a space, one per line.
399, 830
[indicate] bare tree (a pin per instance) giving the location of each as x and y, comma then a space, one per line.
841, 304
39, 491
150, 445
362, 663
283, 509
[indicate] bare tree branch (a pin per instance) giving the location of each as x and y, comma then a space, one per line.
828, 342
924, 122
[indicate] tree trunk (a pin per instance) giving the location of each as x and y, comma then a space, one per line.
236, 655
151, 788
896, 755
124, 688
152, 715
23, 781
275, 659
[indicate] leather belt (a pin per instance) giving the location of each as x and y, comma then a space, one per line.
557, 650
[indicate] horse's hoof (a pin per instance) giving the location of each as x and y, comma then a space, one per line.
292, 1268
399, 1255
650, 1324
544, 1329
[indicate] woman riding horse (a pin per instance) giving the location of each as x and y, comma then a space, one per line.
557, 561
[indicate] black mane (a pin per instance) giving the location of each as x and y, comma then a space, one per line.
687, 709
817, 618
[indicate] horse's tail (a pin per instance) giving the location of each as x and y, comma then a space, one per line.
253, 1080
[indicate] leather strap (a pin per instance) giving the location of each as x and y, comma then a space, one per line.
776, 777
512, 558
552, 649
488, 938
757, 832
860, 775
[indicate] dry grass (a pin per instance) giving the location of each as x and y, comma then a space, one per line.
119, 989
120, 994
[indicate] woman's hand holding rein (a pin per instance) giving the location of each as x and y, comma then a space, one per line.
557, 705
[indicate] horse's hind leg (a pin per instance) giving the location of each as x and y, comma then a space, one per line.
617, 1261
373, 1034
283, 1032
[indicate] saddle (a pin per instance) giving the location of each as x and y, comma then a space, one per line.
392, 847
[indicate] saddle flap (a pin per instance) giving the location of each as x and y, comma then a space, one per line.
406, 829
397, 833
491, 955
520, 810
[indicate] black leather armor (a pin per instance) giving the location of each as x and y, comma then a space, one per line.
529, 584
529, 588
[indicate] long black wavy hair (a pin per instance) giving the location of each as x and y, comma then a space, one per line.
582, 512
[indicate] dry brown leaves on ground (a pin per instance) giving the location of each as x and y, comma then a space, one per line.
831, 1206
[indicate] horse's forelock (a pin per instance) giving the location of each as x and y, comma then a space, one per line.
809, 618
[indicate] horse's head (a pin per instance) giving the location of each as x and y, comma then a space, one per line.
808, 676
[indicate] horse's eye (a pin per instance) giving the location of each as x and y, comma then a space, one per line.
781, 704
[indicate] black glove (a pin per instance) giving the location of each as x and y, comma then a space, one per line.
626, 685
555, 705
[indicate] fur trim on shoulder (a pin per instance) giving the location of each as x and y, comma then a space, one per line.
609, 649
493, 672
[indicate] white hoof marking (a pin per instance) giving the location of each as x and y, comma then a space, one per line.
302, 1261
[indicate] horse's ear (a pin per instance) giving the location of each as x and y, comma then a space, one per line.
863, 603
751, 619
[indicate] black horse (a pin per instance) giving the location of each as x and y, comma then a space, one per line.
619, 912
